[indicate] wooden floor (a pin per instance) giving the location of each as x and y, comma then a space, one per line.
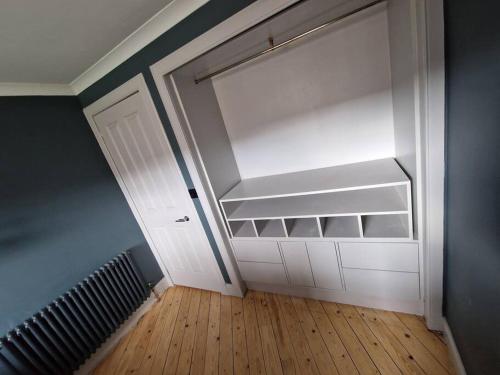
193, 331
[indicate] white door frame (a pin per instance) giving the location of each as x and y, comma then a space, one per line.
431, 113
133, 86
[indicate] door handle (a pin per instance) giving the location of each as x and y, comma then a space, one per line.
185, 218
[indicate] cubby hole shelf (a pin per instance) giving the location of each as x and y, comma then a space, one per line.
364, 200
340, 226
385, 226
270, 228
242, 228
302, 227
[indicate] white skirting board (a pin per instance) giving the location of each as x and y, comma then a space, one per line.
411, 307
452, 347
125, 328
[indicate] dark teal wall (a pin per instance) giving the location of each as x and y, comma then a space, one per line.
62, 214
472, 281
205, 18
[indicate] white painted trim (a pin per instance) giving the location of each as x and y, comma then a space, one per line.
34, 89
237, 286
452, 347
241, 21
136, 84
340, 296
162, 21
434, 141
101, 354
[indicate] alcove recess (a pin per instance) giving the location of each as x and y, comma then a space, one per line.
362, 200
315, 140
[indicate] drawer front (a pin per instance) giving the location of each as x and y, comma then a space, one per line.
257, 251
297, 263
324, 264
384, 284
380, 256
268, 273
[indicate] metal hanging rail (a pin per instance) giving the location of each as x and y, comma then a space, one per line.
287, 42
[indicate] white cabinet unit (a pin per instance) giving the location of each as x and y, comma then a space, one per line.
309, 156
297, 263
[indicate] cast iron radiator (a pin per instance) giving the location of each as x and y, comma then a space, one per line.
60, 337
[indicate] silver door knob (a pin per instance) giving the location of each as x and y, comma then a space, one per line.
185, 218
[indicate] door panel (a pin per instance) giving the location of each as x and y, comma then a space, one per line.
297, 263
324, 264
145, 162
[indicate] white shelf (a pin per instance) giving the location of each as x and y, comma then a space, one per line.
242, 228
328, 202
375, 173
381, 226
376, 200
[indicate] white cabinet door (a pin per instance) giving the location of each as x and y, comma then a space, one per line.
257, 251
324, 264
297, 263
145, 162
267, 273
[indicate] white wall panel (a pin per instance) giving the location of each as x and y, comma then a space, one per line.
279, 119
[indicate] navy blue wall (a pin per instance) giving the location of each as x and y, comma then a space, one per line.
472, 281
62, 214
205, 18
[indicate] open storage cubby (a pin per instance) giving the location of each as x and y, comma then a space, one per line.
302, 227
242, 228
270, 228
340, 226
383, 226
334, 199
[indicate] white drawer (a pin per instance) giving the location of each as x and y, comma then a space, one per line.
384, 284
268, 273
380, 256
257, 251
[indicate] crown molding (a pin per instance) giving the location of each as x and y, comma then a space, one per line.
34, 89
162, 21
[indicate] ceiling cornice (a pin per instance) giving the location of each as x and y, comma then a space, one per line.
162, 21
35, 89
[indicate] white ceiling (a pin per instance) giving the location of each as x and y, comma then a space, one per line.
54, 41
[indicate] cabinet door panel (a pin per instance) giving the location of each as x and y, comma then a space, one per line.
257, 251
297, 263
324, 264
268, 273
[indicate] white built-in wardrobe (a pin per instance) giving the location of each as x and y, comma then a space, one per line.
310, 154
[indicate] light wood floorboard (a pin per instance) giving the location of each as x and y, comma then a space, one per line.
191, 331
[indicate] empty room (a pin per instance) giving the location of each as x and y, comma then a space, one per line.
249, 187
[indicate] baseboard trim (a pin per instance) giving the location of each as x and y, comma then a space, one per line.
106, 348
452, 347
340, 296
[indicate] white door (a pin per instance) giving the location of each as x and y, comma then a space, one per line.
142, 155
